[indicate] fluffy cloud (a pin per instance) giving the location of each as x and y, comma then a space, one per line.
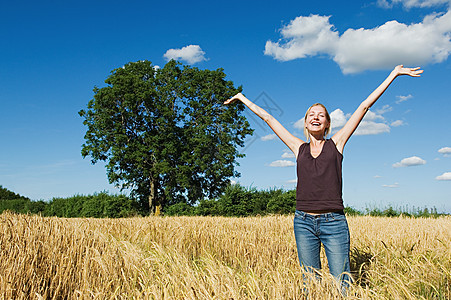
397, 123
282, 163
371, 127
445, 150
409, 162
288, 154
444, 176
299, 124
411, 3
338, 119
191, 54
403, 98
362, 49
305, 36
372, 123
268, 137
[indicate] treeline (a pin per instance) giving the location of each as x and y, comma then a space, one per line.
99, 205
236, 201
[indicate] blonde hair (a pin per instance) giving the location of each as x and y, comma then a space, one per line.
327, 131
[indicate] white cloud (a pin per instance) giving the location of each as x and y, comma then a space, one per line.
444, 176
384, 109
288, 154
395, 185
362, 49
409, 162
299, 124
337, 119
306, 36
282, 163
371, 128
403, 98
397, 123
268, 137
372, 123
372, 116
291, 181
445, 150
191, 54
411, 3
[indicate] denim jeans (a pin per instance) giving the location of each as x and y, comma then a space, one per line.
330, 229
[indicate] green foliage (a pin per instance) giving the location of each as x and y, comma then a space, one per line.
100, 205
180, 209
405, 211
350, 211
19, 204
6, 194
236, 201
281, 202
208, 207
165, 133
239, 201
15, 205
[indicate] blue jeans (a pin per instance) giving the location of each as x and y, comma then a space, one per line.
330, 229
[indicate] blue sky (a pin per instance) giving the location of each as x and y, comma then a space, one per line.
286, 54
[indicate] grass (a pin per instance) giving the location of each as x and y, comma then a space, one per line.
214, 258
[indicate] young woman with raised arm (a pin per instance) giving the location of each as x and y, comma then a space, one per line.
319, 217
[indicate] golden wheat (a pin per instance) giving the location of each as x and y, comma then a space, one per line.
214, 258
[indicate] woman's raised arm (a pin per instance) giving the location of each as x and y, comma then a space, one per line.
290, 140
342, 136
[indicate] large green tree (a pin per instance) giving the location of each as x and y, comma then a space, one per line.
164, 133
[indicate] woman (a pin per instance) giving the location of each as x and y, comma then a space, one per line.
319, 217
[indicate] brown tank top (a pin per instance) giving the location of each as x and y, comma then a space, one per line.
319, 185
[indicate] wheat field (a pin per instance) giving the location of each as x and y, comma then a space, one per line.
214, 258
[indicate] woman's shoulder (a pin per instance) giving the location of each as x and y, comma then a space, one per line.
332, 145
302, 146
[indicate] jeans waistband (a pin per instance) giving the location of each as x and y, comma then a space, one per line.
318, 216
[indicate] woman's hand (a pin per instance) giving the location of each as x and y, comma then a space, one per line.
414, 72
235, 98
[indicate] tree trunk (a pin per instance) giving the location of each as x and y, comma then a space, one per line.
154, 203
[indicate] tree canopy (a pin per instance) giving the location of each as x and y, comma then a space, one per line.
164, 133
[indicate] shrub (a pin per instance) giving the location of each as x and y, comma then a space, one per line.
180, 209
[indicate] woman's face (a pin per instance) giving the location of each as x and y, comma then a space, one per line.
316, 121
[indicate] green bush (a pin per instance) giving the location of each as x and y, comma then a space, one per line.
281, 202
14, 205
99, 205
208, 207
237, 201
180, 209
6, 194
350, 211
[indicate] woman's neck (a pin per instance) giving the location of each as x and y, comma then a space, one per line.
316, 140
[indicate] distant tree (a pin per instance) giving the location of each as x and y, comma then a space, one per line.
165, 133
281, 202
6, 194
237, 201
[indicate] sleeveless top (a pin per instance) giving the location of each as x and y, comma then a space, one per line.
319, 186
